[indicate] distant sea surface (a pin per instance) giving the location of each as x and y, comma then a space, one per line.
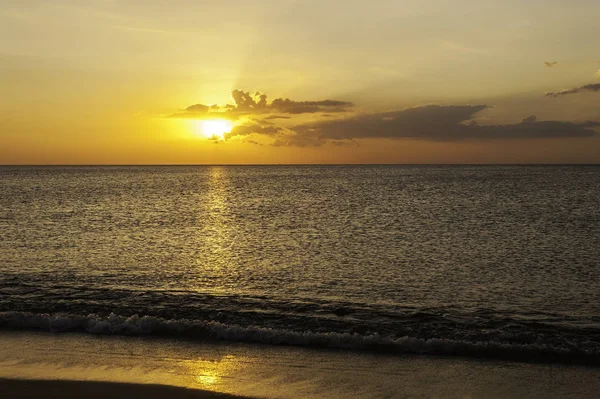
487, 261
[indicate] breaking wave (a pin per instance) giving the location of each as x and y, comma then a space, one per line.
198, 329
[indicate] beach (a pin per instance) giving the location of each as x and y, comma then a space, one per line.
65, 389
43, 364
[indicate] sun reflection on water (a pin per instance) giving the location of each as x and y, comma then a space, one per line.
217, 239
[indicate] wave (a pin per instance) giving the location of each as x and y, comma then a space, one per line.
199, 329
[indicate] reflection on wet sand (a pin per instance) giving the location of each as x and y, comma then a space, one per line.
213, 374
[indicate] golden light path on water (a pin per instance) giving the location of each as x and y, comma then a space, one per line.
218, 236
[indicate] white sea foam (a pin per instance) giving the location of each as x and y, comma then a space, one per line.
149, 325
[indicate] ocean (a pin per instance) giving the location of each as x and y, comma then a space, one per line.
479, 261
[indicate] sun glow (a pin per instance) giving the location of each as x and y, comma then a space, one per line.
214, 127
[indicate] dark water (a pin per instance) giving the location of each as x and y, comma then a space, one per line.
471, 260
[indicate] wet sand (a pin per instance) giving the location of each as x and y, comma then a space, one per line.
15, 388
43, 365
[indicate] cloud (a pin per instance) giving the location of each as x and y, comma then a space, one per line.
301, 107
276, 117
257, 116
298, 141
590, 87
529, 119
200, 108
246, 130
427, 121
254, 142
245, 103
550, 64
433, 123
591, 124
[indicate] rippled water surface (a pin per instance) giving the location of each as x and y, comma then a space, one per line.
427, 259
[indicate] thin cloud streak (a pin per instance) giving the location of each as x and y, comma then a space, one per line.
591, 87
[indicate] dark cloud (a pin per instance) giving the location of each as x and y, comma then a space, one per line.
246, 130
195, 111
254, 142
529, 119
199, 108
301, 107
435, 123
298, 141
246, 103
591, 124
550, 64
428, 121
431, 122
590, 87
270, 117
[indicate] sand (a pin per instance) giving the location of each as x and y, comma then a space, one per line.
14, 388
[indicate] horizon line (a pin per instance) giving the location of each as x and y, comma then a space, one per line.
306, 164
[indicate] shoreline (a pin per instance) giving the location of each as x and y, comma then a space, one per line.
41, 364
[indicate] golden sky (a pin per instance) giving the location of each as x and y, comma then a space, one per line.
237, 82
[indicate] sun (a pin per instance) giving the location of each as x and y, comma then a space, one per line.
214, 127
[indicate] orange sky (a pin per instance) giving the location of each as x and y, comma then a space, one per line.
131, 82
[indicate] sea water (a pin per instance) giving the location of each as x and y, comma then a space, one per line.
484, 261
